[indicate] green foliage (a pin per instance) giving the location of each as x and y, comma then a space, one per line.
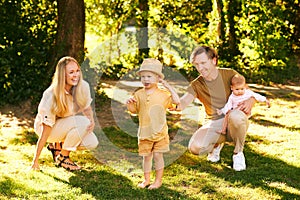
101, 97
266, 35
192, 16
27, 33
263, 46
27, 137
106, 18
265, 43
120, 67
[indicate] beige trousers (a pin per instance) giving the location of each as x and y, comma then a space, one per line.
72, 131
204, 139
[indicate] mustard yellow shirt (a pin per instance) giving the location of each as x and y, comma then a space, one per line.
45, 116
151, 110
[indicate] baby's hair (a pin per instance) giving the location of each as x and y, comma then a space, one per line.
238, 80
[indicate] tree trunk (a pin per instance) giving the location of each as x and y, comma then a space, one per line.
296, 41
142, 29
233, 7
71, 29
221, 23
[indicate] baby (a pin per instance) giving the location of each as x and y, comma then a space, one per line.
240, 93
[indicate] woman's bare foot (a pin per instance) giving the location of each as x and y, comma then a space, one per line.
144, 184
222, 132
155, 185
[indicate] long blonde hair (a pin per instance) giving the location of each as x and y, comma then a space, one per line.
59, 105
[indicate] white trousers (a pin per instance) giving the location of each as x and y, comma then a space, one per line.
205, 138
72, 131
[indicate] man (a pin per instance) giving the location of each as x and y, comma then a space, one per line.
212, 88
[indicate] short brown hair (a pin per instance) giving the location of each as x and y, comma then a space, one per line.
209, 51
238, 80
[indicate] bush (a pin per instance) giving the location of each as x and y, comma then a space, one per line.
26, 40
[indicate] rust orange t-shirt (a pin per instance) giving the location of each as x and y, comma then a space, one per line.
213, 94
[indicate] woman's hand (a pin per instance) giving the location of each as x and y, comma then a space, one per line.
88, 112
35, 166
91, 127
39, 146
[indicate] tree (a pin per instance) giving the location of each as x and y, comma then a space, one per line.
27, 33
142, 28
71, 29
233, 10
106, 18
259, 38
33, 36
221, 22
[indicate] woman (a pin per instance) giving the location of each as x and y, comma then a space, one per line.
59, 121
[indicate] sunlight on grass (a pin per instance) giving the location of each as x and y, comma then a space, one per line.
210, 186
272, 153
278, 129
284, 187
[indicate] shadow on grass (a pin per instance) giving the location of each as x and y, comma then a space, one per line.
272, 175
257, 119
25, 137
24, 113
287, 93
105, 185
9, 188
262, 171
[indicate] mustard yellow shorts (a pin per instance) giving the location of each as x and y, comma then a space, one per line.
147, 146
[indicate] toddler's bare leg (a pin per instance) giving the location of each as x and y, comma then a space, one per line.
147, 166
159, 169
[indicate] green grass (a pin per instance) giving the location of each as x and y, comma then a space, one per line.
272, 152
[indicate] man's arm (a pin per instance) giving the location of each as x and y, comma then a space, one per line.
247, 105
227, 107
186, 99
175, 97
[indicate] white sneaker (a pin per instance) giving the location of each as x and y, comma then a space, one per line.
239, 163
214, 156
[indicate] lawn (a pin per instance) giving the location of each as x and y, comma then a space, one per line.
272, 154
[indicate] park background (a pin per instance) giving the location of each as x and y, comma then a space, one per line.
260, 39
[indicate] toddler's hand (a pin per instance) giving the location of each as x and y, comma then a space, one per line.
131, 100
164, 83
